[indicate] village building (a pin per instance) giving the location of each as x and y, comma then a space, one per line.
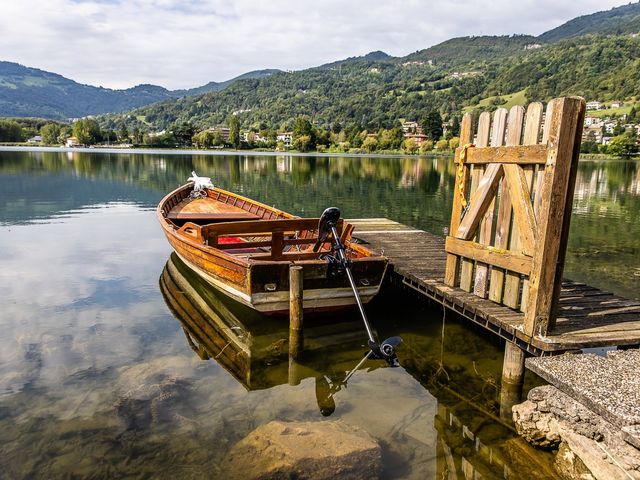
592, 134
223, 131
253, 137
72, 142
286, 137
594, 105
419, 138
592, 122
411, 127
35, 139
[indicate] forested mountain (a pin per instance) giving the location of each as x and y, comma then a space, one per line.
375, 94
473, 51
617, 21
366, 92
30, 92
595, 67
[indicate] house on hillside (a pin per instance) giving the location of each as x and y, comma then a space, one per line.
594, 105
286, 137
253, 137
411, 128
223, 131
616, 104
419, 138
592, 133
592, 122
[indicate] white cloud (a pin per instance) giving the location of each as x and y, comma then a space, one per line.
182, 44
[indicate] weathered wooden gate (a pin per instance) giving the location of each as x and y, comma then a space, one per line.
512, 206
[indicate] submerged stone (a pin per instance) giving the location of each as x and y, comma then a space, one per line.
304, 450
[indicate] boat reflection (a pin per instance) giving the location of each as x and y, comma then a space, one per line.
254, 348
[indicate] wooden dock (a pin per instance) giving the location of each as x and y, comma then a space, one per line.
586, 317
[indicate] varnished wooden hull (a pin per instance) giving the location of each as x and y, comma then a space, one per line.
263, 283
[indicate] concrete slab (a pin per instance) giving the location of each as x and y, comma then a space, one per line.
608, 386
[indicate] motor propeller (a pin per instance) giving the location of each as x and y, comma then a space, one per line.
327, 225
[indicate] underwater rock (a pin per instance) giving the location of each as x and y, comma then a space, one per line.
304, 450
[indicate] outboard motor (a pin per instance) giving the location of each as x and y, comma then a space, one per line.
327, 225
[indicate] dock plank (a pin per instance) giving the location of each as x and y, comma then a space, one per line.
587, 316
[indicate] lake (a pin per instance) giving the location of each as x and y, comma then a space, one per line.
100, 376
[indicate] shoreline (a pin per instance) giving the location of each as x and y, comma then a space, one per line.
267, 153
187, 151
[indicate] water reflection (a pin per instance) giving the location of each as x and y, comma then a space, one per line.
97, 378
253, 347
455, 430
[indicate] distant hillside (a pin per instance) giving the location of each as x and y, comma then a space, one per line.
619, 20
376, 56
30, 92
470, 51
595, 67
367, 94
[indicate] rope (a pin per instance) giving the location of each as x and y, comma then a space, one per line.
462, 157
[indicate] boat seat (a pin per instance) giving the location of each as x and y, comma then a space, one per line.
197, 217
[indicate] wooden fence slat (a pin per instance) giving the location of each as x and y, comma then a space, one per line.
452, 271
486, 227
482, 140
503, 223
519, 154
488, 254
564, 131
480, 201
532, 124
522, 208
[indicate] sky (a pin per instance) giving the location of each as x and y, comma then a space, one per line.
187, 43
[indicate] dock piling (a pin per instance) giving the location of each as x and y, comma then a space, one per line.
513, 366
296, 335
512, 379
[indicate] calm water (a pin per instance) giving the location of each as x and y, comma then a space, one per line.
98, 374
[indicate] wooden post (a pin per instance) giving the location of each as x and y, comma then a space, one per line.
296, 336
512, 379
510, 395
452, 274
513, 366
564, 130
294, 375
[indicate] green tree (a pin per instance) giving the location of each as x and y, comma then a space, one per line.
123, 133
10, 131
623, 145
370, 144
137, 136
426, 146
618, 129
410, 145
50, 133
87, 131
442, 145
302, 143
234, 131
433, 125
454, 143
183, 132
303, 128
589, 145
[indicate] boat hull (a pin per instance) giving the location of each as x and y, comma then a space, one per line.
315, 299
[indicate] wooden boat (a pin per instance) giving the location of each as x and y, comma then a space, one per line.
245, 249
